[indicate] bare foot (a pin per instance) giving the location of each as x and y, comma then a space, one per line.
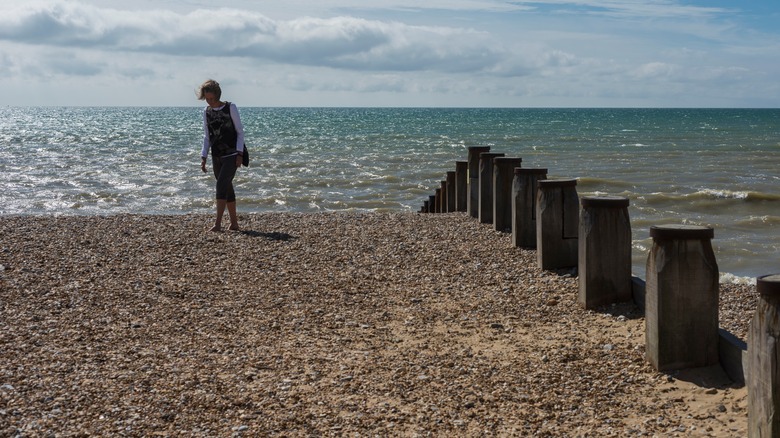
234, 227
216, 228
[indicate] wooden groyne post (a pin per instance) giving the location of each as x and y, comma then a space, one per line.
524, 206
473, 179
443, 198
450, 191
461, 185
681, 298
437, 200
604, 259
486, 186
557, 223
763, 373
503, 174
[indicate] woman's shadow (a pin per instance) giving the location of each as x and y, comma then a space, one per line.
283, 237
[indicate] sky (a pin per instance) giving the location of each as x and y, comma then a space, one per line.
392, 53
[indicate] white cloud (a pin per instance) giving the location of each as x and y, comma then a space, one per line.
387, 52
6, 64
631, 8
340, 42
655, 70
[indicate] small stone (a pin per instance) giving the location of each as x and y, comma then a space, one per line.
711, 391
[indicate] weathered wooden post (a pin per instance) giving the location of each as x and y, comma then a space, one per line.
524, 206
450, 191
443, 199
424, 207
432, 204
503, 173
557, 223
604, 260
437, 208
763, 373
681, 298
461, 185
486, 186
473, 179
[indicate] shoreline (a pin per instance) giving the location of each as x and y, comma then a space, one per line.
725, 278
311, 323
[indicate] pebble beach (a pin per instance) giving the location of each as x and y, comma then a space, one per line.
326, 324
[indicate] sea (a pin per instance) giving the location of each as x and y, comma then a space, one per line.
712, 167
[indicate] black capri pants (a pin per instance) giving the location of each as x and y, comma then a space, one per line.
224, 171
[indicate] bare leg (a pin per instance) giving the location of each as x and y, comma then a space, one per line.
220, 211
231, 207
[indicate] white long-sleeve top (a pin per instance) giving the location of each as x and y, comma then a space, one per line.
236, 124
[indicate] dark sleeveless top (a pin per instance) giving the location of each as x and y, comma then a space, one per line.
222, 133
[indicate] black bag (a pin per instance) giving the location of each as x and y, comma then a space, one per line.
245, 157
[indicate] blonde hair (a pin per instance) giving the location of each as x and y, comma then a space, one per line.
210, 86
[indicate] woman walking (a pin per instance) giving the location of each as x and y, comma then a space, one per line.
224, 136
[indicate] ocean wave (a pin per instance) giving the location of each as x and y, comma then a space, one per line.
726, 278
758, 220
737, 194
712, 194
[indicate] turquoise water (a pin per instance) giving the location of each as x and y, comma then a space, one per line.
715, 167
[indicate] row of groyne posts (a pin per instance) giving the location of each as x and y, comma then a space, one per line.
593, 235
